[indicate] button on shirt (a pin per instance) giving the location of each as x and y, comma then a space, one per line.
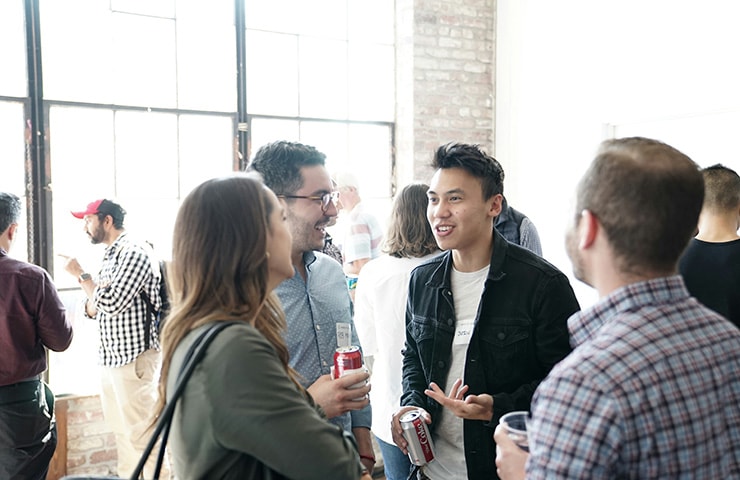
313, 308
128, 267
651, 391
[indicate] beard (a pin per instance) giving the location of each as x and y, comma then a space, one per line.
571, 246
97, 236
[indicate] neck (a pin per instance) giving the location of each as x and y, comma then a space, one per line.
5, 243
716, 228
297, 259
112, 236
473, 259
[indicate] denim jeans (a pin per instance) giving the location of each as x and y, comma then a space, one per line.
396, 465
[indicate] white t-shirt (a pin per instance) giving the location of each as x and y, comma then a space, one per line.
380, 311
449, 447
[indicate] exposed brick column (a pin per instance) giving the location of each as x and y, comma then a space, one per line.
445, 60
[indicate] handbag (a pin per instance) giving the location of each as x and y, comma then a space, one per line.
192, 357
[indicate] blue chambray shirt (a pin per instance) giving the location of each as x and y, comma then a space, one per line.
312, 310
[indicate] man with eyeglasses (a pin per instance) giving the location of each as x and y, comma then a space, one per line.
316, 301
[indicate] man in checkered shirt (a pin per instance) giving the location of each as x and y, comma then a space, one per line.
652, 387
129, 351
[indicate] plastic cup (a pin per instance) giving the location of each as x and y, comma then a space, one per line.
516, 426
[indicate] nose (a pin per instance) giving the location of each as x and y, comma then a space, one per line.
438, 210
331, 210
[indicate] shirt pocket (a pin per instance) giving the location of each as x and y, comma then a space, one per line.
507, 350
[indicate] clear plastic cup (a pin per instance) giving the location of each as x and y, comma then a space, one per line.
516, 424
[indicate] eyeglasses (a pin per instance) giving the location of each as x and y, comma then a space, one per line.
325, 199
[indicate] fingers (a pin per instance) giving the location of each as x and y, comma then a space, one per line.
396, 429
349, 379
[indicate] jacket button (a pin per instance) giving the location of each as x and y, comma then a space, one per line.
449, 322
441, 364
501, 335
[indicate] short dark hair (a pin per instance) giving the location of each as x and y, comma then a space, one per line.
10, 210
647, 196
279, 163
116, 212
721, 189
474, 161
409, 234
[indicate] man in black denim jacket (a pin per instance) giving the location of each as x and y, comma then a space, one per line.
485, 321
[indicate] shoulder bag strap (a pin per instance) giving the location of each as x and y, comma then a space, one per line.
192, 357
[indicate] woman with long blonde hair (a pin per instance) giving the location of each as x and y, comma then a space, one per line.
243, 414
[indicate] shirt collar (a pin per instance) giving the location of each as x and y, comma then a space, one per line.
584, 325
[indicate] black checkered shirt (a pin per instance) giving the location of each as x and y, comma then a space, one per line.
128, 268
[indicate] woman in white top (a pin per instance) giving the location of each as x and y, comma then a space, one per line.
380, 305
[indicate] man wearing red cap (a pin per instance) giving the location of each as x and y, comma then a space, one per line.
129, 344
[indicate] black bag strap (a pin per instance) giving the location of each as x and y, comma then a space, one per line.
192, 358
150, 315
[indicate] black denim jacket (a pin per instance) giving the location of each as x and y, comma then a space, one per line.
519, 335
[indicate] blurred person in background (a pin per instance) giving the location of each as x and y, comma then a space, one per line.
710, 266
380, 303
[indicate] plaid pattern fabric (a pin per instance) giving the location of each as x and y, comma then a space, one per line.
128, 267
652, 390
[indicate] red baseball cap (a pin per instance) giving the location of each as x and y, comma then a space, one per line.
103, 206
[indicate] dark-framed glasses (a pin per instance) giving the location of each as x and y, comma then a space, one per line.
325, 199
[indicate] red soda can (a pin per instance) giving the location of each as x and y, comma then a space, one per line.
347, 359
416, 433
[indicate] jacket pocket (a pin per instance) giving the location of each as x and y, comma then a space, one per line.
507, 350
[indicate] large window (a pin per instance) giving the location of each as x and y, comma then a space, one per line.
140, 104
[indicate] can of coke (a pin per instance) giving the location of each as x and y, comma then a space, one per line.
347, 359
416, 433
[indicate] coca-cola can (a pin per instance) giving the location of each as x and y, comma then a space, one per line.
347, 359
416, 433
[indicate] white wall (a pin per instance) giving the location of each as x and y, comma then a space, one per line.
574, 72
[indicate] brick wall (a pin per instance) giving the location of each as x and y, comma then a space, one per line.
445, 77
85, 445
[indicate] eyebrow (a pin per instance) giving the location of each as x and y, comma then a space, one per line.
448, 192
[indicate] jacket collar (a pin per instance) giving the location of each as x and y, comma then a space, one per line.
440, 277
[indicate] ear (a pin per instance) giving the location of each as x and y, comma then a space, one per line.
12, 229
494, 205
588, 228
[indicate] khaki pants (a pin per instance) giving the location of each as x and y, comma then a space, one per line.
128, 396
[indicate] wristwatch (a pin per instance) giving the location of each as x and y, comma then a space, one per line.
84, 277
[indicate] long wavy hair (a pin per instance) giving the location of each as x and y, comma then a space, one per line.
219, 270
409, 234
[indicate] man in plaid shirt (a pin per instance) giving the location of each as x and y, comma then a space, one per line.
129, 351
652, 387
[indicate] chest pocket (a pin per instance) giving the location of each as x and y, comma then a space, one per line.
508, 351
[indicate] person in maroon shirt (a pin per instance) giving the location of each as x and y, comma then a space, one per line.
32, 319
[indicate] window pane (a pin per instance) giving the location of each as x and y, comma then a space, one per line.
155, 8
70, 27
371, 82
271, 15
272, 73
371, 21
12, 180
370, 158
323, 18
81, 148
329, 138
268, 130
323, 78
144, 71
206, 55
146, 155
13, 51
205, 149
